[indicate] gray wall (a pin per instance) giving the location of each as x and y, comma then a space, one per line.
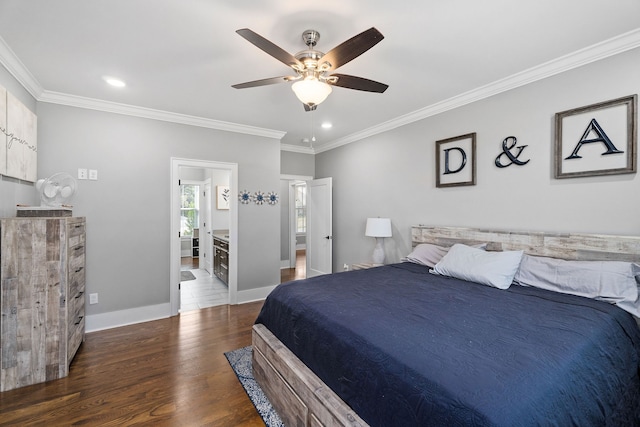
297, 163
127, 209
393, 174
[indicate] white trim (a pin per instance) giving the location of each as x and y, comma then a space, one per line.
174, 260
115, 319
149, 113
284, 264
297, 149
256, 294
18, 70
593, 53
296, 177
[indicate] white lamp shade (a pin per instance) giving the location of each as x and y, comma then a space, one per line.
378, 227
311, 91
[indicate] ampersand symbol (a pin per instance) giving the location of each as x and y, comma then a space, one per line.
506, 151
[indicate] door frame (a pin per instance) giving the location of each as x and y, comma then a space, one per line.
174, 239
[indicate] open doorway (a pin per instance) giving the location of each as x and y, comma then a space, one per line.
197, 212
293, 228
202, 217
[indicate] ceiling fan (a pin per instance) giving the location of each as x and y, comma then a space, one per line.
313, 69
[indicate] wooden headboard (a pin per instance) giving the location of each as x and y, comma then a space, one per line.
585, 247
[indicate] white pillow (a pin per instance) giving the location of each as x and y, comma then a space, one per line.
611, 281
488, 268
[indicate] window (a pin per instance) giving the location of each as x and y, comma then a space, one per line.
189, 207
300, 194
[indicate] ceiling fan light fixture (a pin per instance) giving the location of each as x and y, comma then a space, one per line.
311, 91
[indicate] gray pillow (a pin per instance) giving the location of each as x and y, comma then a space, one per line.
429, 254
611, 281
426, 254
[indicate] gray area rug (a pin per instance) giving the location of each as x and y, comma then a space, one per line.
186, 275
240, 361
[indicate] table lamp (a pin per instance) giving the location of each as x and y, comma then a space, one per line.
378, 228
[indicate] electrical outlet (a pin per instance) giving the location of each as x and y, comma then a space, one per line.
346, 267
82, 174
93, 298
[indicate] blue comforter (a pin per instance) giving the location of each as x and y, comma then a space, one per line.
404, 347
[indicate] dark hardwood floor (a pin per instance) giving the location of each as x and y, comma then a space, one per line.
299, 272
169, 372
189, 263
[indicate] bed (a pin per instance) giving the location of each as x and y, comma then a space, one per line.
399, 345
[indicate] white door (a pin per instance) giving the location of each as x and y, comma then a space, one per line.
319, 227
206, 239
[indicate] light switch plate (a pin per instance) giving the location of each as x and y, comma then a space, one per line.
93, 174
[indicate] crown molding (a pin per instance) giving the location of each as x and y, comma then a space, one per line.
297, 149
596, 52
17, 69
593, 53
149, 113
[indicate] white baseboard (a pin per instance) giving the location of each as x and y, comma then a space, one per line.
257, 294
114, 319
284, 263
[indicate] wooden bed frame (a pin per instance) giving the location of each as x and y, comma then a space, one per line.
302, 399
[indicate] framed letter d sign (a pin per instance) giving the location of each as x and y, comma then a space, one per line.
456, 161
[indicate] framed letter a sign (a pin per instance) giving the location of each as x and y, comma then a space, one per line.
598, 139
456, 161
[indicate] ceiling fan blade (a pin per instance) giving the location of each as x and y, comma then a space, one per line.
270, 48
352, 48
358, 83
309, 108
264, 82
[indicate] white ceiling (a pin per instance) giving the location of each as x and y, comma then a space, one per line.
181, 57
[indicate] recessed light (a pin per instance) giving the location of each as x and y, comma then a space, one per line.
114, 82
327, 125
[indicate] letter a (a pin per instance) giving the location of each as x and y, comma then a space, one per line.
602, 137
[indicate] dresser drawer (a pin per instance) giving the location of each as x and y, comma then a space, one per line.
76, 279
76, 336
76, 231
75, 310
76, 252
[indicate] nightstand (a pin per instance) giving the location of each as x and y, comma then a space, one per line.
364, 265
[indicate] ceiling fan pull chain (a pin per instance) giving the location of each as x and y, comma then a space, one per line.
313, 133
